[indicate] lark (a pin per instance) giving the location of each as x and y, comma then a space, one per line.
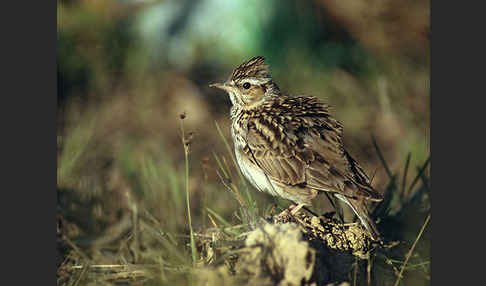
291, 147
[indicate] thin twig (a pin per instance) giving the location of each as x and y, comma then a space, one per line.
186, 157
409, 254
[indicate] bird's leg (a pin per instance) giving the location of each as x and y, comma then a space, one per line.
292, 209
296, 209
287, 210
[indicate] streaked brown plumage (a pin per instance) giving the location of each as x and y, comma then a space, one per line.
292, 147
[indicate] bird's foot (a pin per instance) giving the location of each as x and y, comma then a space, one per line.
286, 212
291, 211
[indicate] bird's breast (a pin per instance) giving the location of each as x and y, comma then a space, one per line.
253, 173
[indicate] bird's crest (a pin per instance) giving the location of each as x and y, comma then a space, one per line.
254, 67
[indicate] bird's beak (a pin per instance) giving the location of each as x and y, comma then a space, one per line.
219, 85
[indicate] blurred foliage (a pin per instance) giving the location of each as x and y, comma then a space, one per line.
128, 69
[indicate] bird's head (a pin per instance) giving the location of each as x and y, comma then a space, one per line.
250, 84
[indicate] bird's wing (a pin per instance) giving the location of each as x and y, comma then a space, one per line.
309, 152
336, 167
275, 159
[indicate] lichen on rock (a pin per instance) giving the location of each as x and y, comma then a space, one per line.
298, 250
280, 252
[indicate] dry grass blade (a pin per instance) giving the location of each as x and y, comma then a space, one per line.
220, 165
248, 209
234, 160
409, 254
83, 272
228, 228
220, 218
168, 242
118, 272
425, 182
404, 178
383, 208
75, 248
228, 183
228, 148
418, 175
382, 158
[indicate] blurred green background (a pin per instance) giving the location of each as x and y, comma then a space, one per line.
128, 69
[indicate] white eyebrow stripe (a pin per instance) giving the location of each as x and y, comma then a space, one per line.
255, 81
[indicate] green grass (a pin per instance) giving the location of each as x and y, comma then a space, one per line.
157, 243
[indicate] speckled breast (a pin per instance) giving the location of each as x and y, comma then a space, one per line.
251, 172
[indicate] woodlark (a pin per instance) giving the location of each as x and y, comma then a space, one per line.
292, 147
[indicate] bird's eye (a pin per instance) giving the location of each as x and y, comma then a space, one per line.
246, 85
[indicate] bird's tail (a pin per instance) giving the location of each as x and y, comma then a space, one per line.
359, 208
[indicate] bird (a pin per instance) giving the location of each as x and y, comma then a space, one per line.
292, 146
